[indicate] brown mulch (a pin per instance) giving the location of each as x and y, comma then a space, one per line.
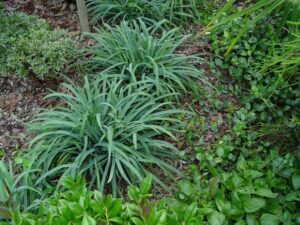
59, 13
21, 98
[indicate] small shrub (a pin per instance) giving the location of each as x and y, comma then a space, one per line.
105, 131
139, 54
27, 45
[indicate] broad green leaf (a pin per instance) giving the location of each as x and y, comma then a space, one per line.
265, 192
254, 204
251, 219
213, 187
241, 222
87, 220
269, 219
216, 218
146, 185
187, 188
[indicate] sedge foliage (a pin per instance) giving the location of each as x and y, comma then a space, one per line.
106, 131
16, 188
117, 10
140, 54
175, 11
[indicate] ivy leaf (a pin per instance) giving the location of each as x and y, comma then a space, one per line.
254, 204
269, 219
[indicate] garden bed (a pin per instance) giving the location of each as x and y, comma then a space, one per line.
197, 115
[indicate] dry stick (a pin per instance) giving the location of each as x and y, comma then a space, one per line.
83, 17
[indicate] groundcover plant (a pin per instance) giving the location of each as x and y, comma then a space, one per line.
127, 124
29, 46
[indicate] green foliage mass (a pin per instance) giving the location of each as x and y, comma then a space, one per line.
105, 131
245, 180
110, 130
268, 85
258, 191
27, 45
175, 11
138, 54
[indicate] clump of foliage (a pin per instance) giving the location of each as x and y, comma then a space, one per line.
105, 131
175, 11
27, 45
266, 74
117, 10
139, 54
16, 187
280, 90
242, 62
77, 205
178, 11
242, 178
289, 9
257, 187
253, 193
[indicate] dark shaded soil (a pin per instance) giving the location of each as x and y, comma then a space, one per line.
20, 100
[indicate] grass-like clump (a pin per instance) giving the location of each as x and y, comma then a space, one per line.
105, 131
141, 52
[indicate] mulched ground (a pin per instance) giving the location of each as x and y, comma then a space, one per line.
21, 98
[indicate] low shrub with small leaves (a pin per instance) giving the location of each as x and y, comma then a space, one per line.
106, 131
266, 74
257, 190
27, 45
139, 53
